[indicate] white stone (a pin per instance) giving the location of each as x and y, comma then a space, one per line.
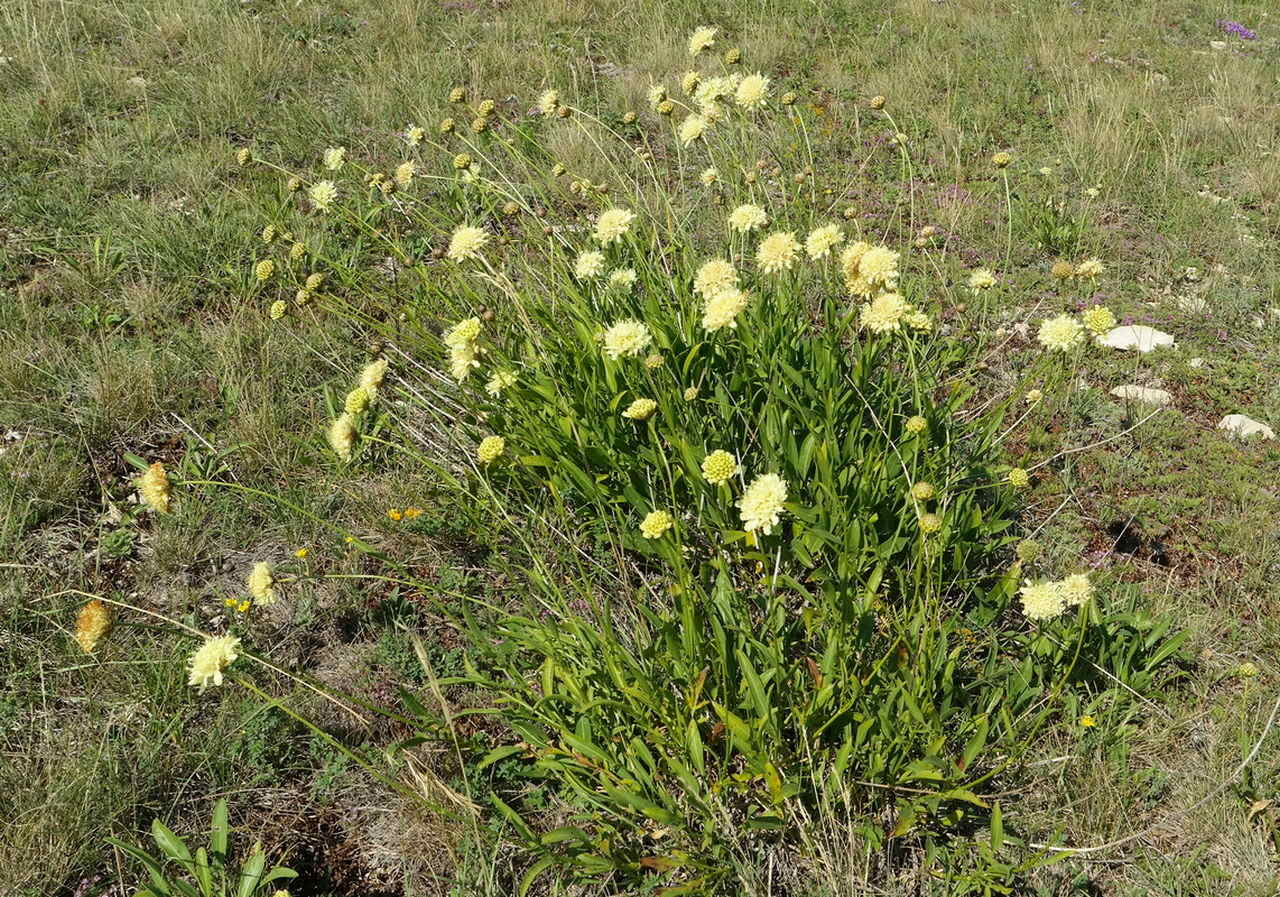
1136, 336
1142, 394
1241, 425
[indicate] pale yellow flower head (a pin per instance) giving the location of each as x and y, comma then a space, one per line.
490, 449
693, 127
1062, 270
1062, 333
466, 242
549, 101
657, 93
334, 157
691, 393
612, 225
499, 381
929, 523
719, 466
405, 172
465, 331
918, 320
689, 82
884, 313
342, 436
746, 218
1041, 601
655, 524
868, 268
413, 135
372, 375
722, 309
713, 276
923, 491
622, 278
322, 194
703, 38
1090, 268
1075, 589
1098, 319
262, 584
356, 401
278, 309
1001, 160
154, 488
761, 506
709, 176
981, 279
462, 359
752, 92
206, 665
822, 240
640, 409
588, 265
264, 269
777, 252
1019, 478
916, 424
626, 337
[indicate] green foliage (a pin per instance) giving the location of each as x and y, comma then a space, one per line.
208, 872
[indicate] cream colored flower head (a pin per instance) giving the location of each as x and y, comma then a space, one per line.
709, 176
918, 320
466, 242
777, 252
549, 101
689, 82
372, 375
490, 449
413, 135
297, 251
746, 218
1075, 589
342, 436
752, 92
1001, 159
589, 265
722, 309
264, 269
1018, 478
884, 313
1062, 333
657, 93
334, 156
626, 337
405, 172
711, 90
278, 309
206, 665
1033, 396
929, 523
655, 524
499, 381
702, 39
654, 361
693, 127
356, 401
923, 491
822, 240
622, 278
314, 281
1041, 601
1098, 319
268, 233
262, 584
462, 359
1062, 270
612, 225
916, 424
713, 276
322, 194
981, 279
641, 409
464, 332
1090, 268
691, 393
719, 466
761, 506
867, 268
154, 488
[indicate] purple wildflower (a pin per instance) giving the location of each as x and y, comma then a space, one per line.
1237, 29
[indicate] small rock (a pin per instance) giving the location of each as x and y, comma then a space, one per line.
1244, 426
1143, 394
1136, 336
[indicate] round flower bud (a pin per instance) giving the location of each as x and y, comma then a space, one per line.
458, 95
666, 107
447, 126
876, 102
789, 98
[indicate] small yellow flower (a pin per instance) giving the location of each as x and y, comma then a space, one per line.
262, 584
314, 281
466, 242
395, 514
1088, 721
654, 361
412, 513
719, 466
334, 157
548, 102
92, 624
1062, 270
713, 277
243, 156
1090, 268
1041, 601
822, 240
499, 381
655, 524
884, 314
1019, 478
626, 337
242, 606
264, 269
490, 449
923, 491
709, 176
752, 92
641, 409
322, 194
447, 126
414, 135
777, 252
612, 225
916, 424
1001, 160
981, 279
691, 393
693, 127
930, 523
268, 233
1062, 333
458, 95
342, 436
876, 102
746, 218
703, 38
357, 401
405, 172
301, 553
589, 265
486, 108
297, 251
293, 185
1033, 396
722, 309
761, 505
278, 309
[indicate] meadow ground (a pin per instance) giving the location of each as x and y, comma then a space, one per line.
129, 326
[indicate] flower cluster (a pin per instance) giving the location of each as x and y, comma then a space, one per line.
1046, 599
